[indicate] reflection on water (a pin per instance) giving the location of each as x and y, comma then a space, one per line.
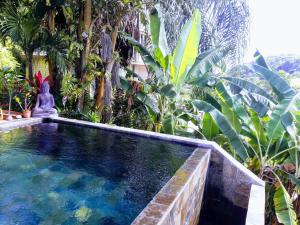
61, 174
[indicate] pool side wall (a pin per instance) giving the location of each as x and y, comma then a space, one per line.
179, 201
229, 184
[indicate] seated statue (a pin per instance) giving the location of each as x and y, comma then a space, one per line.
45, 103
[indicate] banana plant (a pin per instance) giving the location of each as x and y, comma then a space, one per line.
172, 72
248, 136
262, 142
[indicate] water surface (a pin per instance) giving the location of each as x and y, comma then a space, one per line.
63, 174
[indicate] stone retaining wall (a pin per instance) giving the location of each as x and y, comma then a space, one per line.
179, 201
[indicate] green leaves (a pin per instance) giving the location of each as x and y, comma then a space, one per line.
209, 127
158, 33
206, 61
167, 91
169, 123
279, 117
284, 207
186, 50
248, 86
278, 83
225, 126
147, 57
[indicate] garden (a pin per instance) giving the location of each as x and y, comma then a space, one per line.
192, 83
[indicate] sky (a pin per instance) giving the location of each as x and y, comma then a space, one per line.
275, 27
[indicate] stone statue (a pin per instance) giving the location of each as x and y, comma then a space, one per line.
45, 103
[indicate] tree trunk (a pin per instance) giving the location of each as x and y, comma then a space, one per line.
51, 69
51, 26
100, 93
79, 37
51, 21
9, 102
108, 69
30, 66
87, 21
85, 36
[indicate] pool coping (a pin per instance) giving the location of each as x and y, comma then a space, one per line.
178, 193
255, 213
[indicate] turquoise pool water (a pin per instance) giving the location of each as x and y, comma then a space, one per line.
61, 174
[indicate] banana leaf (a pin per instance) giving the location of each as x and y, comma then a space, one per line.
225, 126
249, 86
206, 61
260, 60
186, 50
284, 207
158, 32
209, 127
275, 128
278, 83
169, 123
147, 57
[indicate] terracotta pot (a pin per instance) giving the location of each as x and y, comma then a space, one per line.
9, 118
27, 114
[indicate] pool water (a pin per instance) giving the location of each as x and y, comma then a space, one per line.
62, 174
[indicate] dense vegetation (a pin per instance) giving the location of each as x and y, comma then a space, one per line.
188, 91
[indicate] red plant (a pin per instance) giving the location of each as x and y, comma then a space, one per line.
37, 83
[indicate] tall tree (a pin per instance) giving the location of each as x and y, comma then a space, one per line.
19, 24
224, 22
114, 17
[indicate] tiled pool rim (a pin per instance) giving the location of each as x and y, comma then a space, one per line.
240, 186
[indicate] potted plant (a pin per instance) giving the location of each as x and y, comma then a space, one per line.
1, 114
27, 105
8, 82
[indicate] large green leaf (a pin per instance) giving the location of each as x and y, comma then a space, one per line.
168, 91
209, 127
152, 114
275, 128
206, 61
258, 103
147, 57
169, 123
186, 50
288, 121
249, 86
224, 94
149, 101
284, 207
232, 107
277, 82
200, 81
225, 126
158, 33
260, 60
257, 128
232, 117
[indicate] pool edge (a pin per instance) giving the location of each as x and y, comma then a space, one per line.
238, 184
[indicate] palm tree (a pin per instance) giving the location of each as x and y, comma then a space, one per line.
224, 22
20, 25
25, 26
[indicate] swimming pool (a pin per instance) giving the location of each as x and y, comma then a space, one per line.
209, 180
63, 174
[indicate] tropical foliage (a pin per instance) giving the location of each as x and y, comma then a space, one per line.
188, 89
224, 23
171, 74
261, 127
